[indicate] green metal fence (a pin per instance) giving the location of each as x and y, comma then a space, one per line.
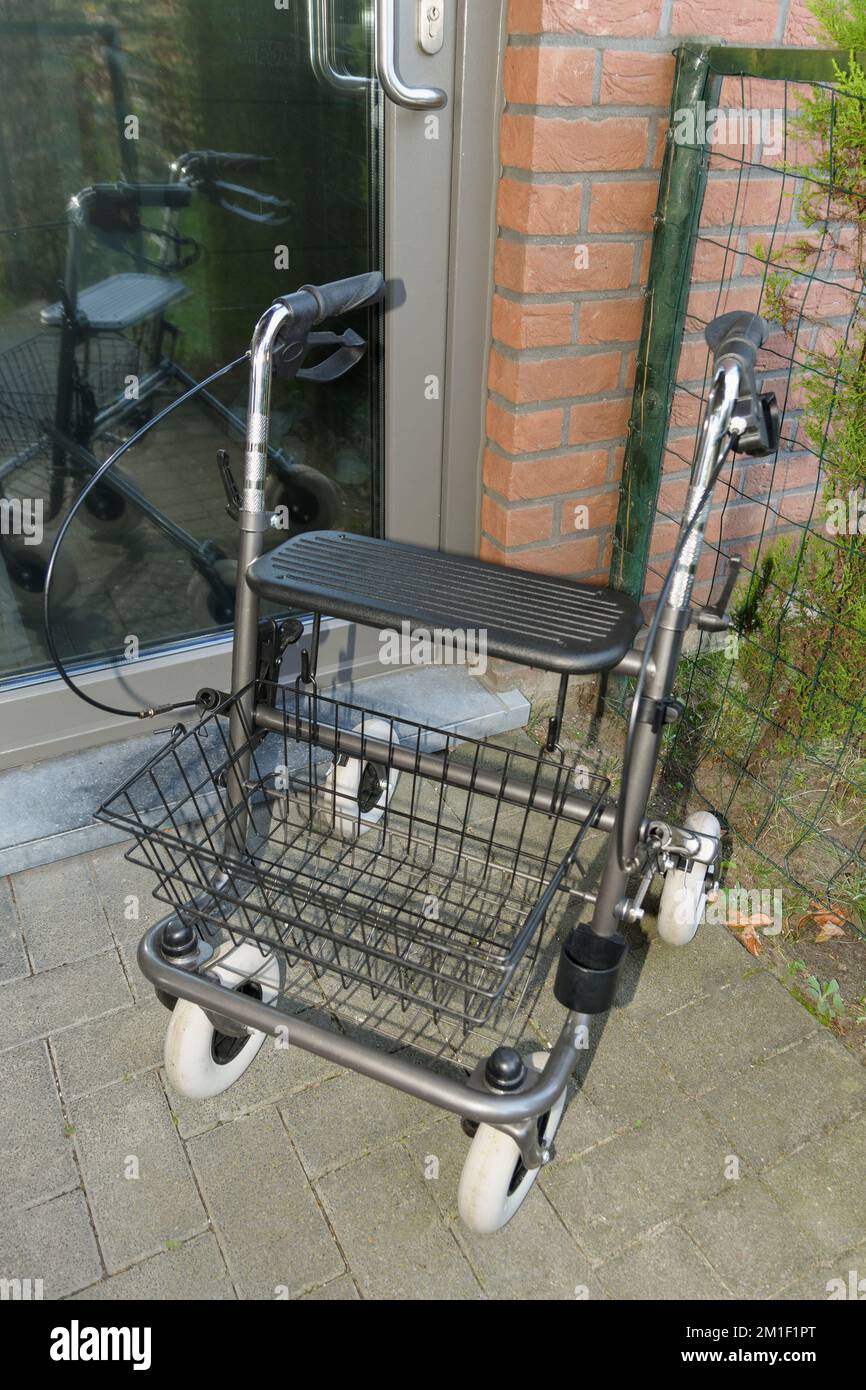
762, 206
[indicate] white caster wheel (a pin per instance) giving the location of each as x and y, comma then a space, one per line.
684, 895
357, 791
201, 1061
494, 1183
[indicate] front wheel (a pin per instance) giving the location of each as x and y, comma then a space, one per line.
684, 895
202, 1060
495, 1183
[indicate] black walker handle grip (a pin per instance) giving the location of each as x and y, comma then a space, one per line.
739, 335
341, 296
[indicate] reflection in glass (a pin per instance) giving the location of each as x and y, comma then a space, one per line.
163, 176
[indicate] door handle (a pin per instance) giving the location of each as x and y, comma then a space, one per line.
319, 20
387, 71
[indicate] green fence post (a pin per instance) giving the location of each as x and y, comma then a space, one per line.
677, 211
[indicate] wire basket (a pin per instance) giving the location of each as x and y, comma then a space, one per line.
430, 900
29, 376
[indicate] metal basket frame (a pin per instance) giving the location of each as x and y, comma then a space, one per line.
435, 905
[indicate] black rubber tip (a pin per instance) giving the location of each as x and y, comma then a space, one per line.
178, 939
588, 970
505, 1070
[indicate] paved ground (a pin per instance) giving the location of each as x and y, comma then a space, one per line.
304, 1182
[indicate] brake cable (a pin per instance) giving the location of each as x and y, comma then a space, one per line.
91, 483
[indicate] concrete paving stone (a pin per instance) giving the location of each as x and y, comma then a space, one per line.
437, 1154
61, 998
657, 978
274, 1233
776, 1105
110, 1049
275, 1074
821, 1187
622, 1077
748, 1238
631, 1184
13, 958
195, 1270
123, 889
36, 1157
134, 1216
583, 1126
348, 1116
665, 1265
533, 1258
722, 1034
60, 915
839, 1280
53, 1242
394, 1237
141, 989
338, 1290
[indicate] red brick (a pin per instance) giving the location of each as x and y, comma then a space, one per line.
516, 525
623, 206
538, 269
540, 209
610, 321
555, 378
802, 28
529, 324
637, 79
713, 261
530, 433
756, 202
526, 482
574, 558
611, 18
752, 23
601, 508
549, 144
603, 420
549, 76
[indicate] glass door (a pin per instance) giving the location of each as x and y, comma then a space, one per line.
166, 171
163, 177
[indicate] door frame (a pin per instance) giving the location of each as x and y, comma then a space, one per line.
437, 324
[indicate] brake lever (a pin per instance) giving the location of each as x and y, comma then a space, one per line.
715, 617
350, 349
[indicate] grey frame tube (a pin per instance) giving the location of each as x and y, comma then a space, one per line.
484, 1107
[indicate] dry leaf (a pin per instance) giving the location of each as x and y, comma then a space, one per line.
751, 940
757, 919
830, 923
828, 932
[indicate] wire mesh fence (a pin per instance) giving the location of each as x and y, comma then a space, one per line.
774, 737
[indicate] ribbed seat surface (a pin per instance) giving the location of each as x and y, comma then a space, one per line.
120, 302
533, 619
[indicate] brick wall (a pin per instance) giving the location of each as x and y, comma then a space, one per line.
587, 93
